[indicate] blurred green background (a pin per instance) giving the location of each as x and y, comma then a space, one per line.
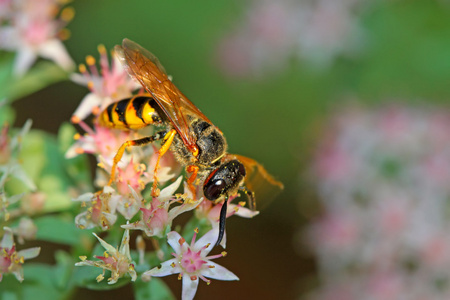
274, 118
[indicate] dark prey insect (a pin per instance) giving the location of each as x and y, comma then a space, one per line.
188, 133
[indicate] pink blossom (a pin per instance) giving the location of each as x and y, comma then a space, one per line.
101, 208
116, 260
110, 84
101, 141
158, 215
270, 34
11, 260
380, 176
35, 29
191, 262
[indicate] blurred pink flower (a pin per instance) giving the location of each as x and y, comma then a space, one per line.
110, 84
381, 177
273, 33
35, 28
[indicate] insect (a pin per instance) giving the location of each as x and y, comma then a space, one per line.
195, 141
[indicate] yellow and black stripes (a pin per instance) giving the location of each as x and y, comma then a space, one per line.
132, 113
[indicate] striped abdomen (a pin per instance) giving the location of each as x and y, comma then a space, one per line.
131, 113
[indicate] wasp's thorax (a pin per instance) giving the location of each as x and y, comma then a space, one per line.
211, 144
225, 180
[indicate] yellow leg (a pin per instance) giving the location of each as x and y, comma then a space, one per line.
194, 170
119, 154
168, 139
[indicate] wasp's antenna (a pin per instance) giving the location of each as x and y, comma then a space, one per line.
222, 220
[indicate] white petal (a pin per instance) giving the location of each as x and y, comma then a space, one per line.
125, 244
110, 249
164, 270
189, 288
178, 210
209, 238
111, 218
73, 150
29, 253
188, 191
89, 263
167, 193
7, 240
165, 174
218, 272
133, 275
85, 108
108, 190
173, 239
24, 59
79, 79
244, 212
82, 222
84, 198
54, 50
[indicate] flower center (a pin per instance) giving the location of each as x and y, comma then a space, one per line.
191, 261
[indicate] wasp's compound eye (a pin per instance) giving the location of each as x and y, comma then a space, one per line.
224, 181
213, 189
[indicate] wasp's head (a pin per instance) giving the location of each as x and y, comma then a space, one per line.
224, 181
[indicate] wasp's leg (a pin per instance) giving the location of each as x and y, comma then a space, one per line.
139, 142
167, 141
250, 196
222, 220
194, 170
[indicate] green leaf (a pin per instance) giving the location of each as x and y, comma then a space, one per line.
77, 168
63, 270
46, 165
155, 289
59, 229
39, 283
85, 276
41, 75
6, 63
7, 114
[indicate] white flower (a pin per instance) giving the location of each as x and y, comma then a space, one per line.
118, 261
191, 262
11, 261
157, 217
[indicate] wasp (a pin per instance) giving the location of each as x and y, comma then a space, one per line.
195, 141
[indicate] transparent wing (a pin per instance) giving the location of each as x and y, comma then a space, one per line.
142, 65
259, 181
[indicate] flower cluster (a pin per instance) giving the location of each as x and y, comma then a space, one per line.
106, 86
383, 179
35, 28
15, 206
273, 32
11, 260
126, 204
